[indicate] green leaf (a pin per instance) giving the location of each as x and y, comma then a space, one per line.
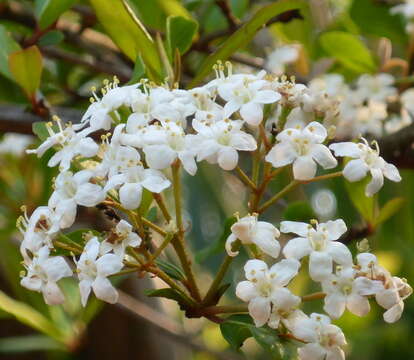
218, 246
245, 34
139, 70
7, 46
171, 294
236, 329
170, 269
152, 214
389, 209
20, 344
364, 204
128, 33
48, 11
29, 316
40, 130
180, 33
375, 18
51, 38
26, 67
174, 7
348, 50
299, 211
145, 202
218, 294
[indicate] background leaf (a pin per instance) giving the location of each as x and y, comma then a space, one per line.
48, 11
7, 46
180, 33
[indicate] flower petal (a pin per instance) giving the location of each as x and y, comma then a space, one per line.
284, 271
376, 182
252, 113
335, 305
259, 310
358, 305
339, 253
343, 149
281, 154
104, 290
320, 265
108, 264
130, 195
304, 168
355, 170
323, 156
246, 291
297, 248
295, 227
228, 158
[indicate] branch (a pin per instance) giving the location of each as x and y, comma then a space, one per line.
226, 10
167, 327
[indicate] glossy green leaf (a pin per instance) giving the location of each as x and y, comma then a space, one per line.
21, 344
173, 7
171, 294
375, 18
53, 37
170, 269
245, 34
48, 11
348, 50
180, 33
236, 329
26, 67
299, 211
7, 46
29, 316
128, 33
389, 209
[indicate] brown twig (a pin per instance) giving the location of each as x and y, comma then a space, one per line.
225, 8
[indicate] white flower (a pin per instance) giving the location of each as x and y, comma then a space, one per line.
70, 145
406, 9
171, 144
407, 97
117, 157
38, 230
247, 96
284, 308
93, 272
14, 143
320, 243
119, 239
43, 272
281, 56
263, 284
397, 122
375, 87
304, 149
365, 159
219, 143
325, 340
72, 190
251, 231
331, 84
207, 110
392, 297
344, 290
131, 182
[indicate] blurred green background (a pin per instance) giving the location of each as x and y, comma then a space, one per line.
80, 43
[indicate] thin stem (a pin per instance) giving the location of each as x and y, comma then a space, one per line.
292, 185
154, 227
124, 272
164, 244
178, 241
67, 247
217, 280
161, 204
245, 178
230, 309
265, 140
314, 296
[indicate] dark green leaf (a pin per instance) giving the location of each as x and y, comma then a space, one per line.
375, 18
171, 270
218, 246
389, 209
245, 34
171, 294
180, 33
51, 38
299, 211
48, 11
139, 70
236, 329
7, 46
348, 50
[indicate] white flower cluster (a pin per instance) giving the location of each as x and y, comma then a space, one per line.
363, 107
155, 128
345, 285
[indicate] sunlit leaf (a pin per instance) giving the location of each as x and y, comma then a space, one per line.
128, 33
180, 33
389, 209
244, 35
348, 50
364, 204
26, 67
